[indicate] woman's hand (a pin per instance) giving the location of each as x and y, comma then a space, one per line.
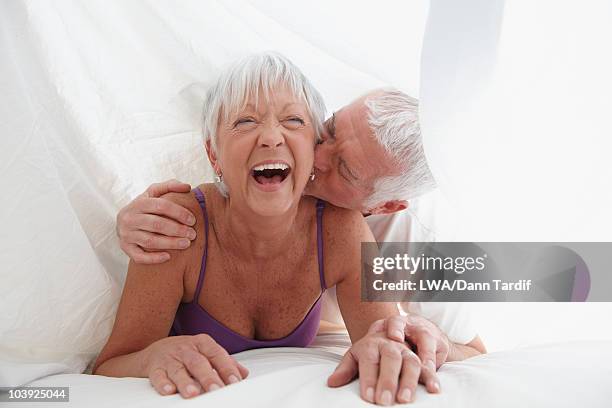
388, 370
190, 364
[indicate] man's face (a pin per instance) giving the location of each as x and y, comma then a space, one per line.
349, 160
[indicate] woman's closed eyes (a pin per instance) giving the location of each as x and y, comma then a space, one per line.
293, 122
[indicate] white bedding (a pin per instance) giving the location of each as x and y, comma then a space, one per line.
566, 374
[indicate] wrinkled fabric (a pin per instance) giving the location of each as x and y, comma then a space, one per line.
101, 99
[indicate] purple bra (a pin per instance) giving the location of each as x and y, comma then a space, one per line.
191, 318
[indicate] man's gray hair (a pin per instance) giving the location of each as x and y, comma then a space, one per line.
394, 120
245, 79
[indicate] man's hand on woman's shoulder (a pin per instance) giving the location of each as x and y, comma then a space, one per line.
151, 224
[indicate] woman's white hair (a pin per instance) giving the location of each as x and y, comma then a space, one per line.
246, 79
393, 118
251, 75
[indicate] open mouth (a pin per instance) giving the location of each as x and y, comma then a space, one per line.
271, 173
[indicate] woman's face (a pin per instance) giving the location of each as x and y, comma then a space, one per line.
266, 153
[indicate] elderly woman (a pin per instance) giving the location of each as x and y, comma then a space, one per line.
255, 276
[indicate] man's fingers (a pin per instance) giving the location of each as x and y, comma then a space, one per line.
344, 373
388, 375
168, 186
160, 225
153, 242
142, 257
396, 327
161, 206
160, 381
409, 377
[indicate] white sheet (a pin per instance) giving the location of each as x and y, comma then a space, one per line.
100, 99
572, 374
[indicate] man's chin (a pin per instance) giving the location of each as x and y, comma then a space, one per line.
309, 190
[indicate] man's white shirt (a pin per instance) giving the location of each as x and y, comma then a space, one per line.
419, 223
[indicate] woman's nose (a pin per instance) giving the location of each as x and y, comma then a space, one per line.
271, 136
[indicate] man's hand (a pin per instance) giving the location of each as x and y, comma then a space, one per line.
430, 343
388, 370
150, 223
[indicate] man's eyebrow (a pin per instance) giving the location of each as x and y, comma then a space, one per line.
330, 124
342, 164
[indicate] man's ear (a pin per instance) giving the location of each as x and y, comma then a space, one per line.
389, 207
212, 157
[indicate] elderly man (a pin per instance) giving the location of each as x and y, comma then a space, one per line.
370, 158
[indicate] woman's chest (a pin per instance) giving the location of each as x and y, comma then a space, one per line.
263, 299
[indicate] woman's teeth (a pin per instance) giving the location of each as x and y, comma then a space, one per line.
271, 166
270, 173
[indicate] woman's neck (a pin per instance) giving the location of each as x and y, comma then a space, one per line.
261, 237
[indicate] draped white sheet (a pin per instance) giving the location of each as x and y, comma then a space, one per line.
102, 98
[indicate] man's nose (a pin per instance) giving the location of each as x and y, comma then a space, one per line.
271, 136
322, 158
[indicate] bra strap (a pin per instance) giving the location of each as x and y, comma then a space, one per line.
320, 207
200, 197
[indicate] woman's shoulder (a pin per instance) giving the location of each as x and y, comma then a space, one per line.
189, 200
342, 220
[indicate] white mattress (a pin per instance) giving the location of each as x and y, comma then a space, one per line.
566, 374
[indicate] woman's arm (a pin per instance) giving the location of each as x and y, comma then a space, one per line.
139, 345
146, 311
357, 314
388, 370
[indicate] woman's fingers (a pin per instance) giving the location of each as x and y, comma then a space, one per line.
369, 360
187, 386
388, 374
160, 381
429, 377
344, 373
201, 369
409, 377
426, 349
244, 372
225, 365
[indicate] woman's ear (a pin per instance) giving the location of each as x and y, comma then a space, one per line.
212, 157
